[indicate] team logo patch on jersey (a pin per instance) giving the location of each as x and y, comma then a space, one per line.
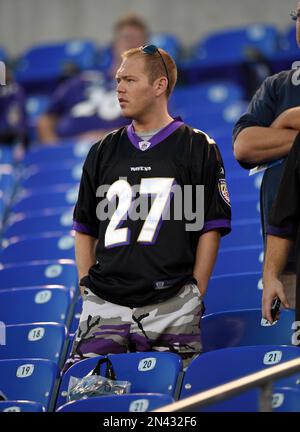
224, 191
144, 145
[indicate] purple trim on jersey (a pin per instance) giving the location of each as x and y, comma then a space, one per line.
83, 228
288, 230
216, 224
158, 137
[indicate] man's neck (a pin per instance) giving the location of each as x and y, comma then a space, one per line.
152, 123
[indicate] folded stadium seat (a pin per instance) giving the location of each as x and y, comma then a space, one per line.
36, 105
41, 176
233, 291
7, 181
244, 233
239, 260
53, 221
244, 328
36, 201
72, 148
218, 367
6, 154
48, 246
30, 380
41, 67
20, 406
220, 55
245, 206
213, 95
60, 272
153, 372
168, 42
205, 119
52, 303
123, 403
35, 340
76, 315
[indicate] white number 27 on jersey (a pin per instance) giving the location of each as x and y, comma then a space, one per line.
160, 187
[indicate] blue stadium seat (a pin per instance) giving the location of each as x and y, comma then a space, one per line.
76, 316
204, 119
244, 233
6, 154
43, 65
238, 181
7, 180
38, 248
59, 197
168, 42
63, 150
218, 367
239, 260
220, 54
233, 291
37, 340
47, 176
54, 221
124, 403
61, 272
50, 303
154, 372
245, 327
245, 207
213, 95
29, 379
20, 406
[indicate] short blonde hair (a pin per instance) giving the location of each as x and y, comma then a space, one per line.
157, 65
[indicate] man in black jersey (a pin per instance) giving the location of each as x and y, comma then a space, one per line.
143, 278
283, 233
264, 136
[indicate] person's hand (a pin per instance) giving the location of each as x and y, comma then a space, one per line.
272, 288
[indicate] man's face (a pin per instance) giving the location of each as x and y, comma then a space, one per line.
129, 37
135, 94
298, 26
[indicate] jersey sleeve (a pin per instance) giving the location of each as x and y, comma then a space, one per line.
261, 111
285, 214
208, 170
84, 217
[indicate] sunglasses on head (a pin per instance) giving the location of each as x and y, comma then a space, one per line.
295, 15
152, 50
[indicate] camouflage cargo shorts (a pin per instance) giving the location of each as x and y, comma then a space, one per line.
108, 328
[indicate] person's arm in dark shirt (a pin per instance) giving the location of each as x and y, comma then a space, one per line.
256, 139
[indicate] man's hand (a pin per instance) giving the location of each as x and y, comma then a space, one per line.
272, 288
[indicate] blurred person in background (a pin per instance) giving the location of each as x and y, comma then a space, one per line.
13, 125
264, 136
86, 105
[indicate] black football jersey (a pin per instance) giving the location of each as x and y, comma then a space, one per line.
144, 202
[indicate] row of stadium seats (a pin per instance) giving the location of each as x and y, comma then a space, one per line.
222, 48
38, 380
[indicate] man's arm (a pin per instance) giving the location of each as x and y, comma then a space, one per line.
277, 253
46, 128
289, 119
85, 251
261, 144
206, 255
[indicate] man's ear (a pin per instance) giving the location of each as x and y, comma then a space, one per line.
161, 85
